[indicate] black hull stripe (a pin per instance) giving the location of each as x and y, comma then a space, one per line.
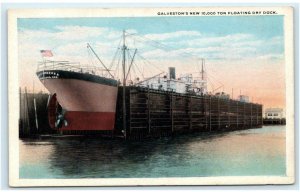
60, 74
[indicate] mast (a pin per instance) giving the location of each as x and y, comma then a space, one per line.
124, 59
124, 84
203, 78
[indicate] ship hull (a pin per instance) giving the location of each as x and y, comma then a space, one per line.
88, 101
78, 120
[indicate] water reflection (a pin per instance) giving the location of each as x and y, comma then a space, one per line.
234, 153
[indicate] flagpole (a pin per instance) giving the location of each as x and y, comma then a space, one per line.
45, 53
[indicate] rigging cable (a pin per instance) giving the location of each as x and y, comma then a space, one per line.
162, 46
117, 67
151, 64
116, 53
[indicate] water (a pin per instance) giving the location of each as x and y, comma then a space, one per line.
240, 153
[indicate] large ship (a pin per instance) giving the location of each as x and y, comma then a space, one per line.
97, 99
81, 98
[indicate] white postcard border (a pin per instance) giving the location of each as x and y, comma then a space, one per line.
13, 97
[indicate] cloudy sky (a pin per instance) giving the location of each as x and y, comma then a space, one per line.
244, 53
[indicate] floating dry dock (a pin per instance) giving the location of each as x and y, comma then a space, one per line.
154, 113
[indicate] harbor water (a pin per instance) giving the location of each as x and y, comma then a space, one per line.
240, 153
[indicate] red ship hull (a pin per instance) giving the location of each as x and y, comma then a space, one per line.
78, 120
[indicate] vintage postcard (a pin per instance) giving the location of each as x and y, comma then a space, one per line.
151, 96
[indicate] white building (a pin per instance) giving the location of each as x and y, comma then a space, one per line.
274, 113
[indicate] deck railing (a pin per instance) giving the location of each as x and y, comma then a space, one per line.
71, 66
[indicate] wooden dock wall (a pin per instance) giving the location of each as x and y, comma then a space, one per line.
33, 114
153, 113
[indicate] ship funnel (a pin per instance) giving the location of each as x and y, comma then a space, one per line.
172, 73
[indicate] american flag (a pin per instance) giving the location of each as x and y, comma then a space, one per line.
46, 53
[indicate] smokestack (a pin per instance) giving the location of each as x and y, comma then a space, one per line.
172, 73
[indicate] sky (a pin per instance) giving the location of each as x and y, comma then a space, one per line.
242, 53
